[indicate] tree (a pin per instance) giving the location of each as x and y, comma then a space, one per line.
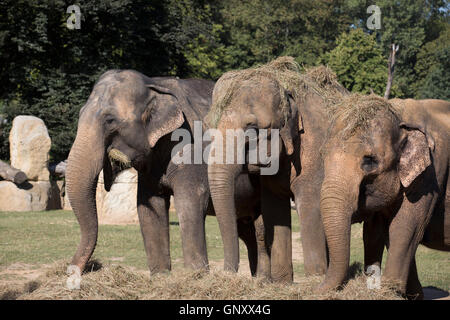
198, 36
359, 62
408, 23
48, 70
433, 63
260, 30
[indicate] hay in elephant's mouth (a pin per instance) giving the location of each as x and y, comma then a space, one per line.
118, 157
126, 283
287, 74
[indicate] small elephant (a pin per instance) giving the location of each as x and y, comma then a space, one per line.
386, 164
274, 97
128, 120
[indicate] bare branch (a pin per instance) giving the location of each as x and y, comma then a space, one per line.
391, 64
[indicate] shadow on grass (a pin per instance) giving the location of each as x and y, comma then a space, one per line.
92, 265
354, 270
13, 294
433, 293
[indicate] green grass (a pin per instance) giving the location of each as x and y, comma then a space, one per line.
38, 238
45, 237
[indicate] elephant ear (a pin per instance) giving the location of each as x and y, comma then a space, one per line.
292, 126
162, 115
415, 156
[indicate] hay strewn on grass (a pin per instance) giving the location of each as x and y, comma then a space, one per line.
117, 282
287, 74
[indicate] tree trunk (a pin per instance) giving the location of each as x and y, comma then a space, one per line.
12, 174
391, 64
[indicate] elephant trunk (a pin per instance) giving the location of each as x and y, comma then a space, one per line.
222, 183
84, 165
338, 201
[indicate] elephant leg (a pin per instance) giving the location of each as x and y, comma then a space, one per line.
413, 287
374, 239
191, 204
404, 237
153, 212
263, 269
307, 201
246, 231
276, 212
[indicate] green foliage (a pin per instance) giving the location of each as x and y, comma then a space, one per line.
433, 63
199, 38
408, 23
358, 62
261, 30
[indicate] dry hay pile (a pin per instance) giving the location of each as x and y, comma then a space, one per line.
117, 282
356, 111
287, 74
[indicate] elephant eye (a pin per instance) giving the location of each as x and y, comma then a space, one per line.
109, 119
369, 163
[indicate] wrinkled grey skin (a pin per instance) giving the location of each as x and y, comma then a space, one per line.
393, 176
136, 115
299, 176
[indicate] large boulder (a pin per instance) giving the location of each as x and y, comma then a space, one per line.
118, 206
29, 147
29, 196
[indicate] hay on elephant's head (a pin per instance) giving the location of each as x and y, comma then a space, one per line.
356, 111
120, 158
287, 75
323, 76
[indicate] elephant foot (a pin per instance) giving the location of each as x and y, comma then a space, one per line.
314, 270
415, 296
283, 276
159, 269
265, 278
414, 292
326, 286
198, 265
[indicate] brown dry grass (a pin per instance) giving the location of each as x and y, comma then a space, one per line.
120, 158
355, 112
287, 74
118, 282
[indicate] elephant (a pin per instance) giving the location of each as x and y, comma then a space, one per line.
386, 163
128, 121
257, 99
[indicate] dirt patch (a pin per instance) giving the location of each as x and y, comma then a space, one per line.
26, 272
297, 249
